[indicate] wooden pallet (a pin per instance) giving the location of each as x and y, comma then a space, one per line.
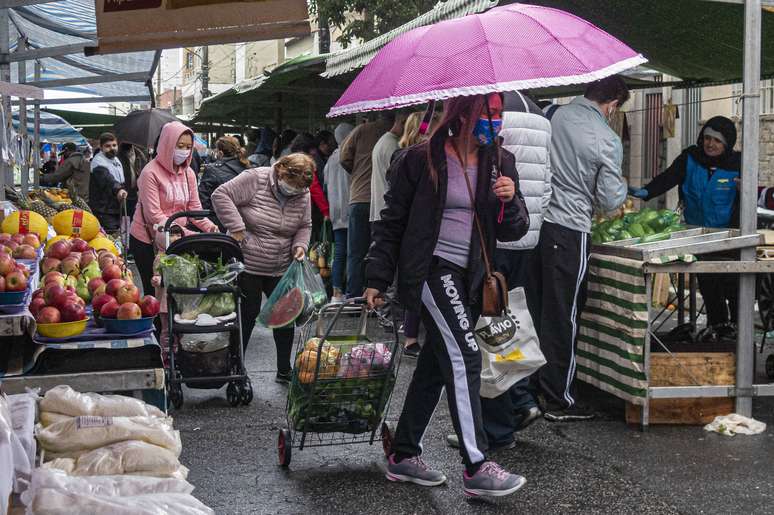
684, 369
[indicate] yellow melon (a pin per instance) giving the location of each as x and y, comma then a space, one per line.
103, 243
25, 222
76, 223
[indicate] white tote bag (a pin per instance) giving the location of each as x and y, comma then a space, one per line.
510, 350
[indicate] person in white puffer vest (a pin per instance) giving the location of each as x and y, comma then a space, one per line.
526, 133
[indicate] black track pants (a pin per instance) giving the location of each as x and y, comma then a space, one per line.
563, 265
450, 358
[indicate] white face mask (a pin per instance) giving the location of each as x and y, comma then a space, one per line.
288, 190
180, 156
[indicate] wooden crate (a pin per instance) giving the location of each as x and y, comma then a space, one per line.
709, 368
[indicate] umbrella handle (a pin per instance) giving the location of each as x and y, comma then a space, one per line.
424, 127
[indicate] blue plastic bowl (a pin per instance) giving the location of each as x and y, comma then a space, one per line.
12, 297
115, 326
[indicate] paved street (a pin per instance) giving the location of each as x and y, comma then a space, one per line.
595, 467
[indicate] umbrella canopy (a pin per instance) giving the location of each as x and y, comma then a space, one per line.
142, 128
508, 48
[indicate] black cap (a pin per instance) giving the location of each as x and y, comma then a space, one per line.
68, 147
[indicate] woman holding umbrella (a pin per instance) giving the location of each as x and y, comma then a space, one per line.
443, 194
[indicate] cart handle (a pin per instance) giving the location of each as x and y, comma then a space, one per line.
204, 213
220, 288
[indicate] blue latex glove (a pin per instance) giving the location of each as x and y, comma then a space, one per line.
641, 193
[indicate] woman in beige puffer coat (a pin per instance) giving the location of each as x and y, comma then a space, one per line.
268, 210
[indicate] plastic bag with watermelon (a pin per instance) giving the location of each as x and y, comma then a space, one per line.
294, 300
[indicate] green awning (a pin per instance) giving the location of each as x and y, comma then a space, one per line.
699, 41
293, 94
91, 125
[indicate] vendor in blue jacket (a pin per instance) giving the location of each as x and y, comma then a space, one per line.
707, 174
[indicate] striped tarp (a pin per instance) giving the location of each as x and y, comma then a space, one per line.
613, 326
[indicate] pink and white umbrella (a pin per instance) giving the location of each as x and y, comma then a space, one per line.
514, 47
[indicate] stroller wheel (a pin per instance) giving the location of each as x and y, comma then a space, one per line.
284, 447
386, 435
176, 395
232, 394
246, 392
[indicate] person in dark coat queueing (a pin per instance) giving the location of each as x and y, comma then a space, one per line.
230, 164
263, 152
107, 190
133, 160
707, 174
74, 173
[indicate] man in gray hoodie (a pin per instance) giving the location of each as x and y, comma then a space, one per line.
586, 157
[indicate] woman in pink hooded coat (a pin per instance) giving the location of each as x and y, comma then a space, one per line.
167, 185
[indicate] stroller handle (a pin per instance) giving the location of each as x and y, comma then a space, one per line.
186, 214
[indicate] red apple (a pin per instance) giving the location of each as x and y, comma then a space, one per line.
94, 284
113, 285
100, 300
149, 306
109, 309
78, 301
55, 294
72, 313
59, 249
87, 257
5, 236
18, 238
7, 264
11, 245
100, 290
128, 293
79, 245
76, 255
111, 272
129, 311
25, 252
23, 269
54, 277
71, 266
36, 305
38, 293
32, 240
48, 315
49, 264
105, 259
15, 281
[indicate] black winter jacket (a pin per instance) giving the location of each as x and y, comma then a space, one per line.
405, 238
215, 174
103, 189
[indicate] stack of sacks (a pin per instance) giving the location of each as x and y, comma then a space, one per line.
88, 434
53, 492
15, 465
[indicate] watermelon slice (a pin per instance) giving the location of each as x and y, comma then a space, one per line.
286, 309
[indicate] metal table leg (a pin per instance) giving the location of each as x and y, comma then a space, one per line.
645, 418
680, 299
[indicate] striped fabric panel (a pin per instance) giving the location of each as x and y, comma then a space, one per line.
613, 328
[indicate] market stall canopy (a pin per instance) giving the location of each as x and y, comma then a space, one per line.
53, 129
293, 94
67, 28
129, 25
699, 41
91, 125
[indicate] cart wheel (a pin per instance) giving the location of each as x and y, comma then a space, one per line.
232, 394
766, 301
176, 395
386, 435
770, 367
284, 447
246, 392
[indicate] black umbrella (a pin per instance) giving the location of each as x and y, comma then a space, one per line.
142, 128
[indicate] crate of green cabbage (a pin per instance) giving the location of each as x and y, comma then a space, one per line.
642, 225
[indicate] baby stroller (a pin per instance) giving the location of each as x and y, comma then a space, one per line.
206, 370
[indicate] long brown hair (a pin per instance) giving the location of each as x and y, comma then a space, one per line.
460, 115
230, 147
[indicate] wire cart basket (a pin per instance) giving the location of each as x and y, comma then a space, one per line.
342, 381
